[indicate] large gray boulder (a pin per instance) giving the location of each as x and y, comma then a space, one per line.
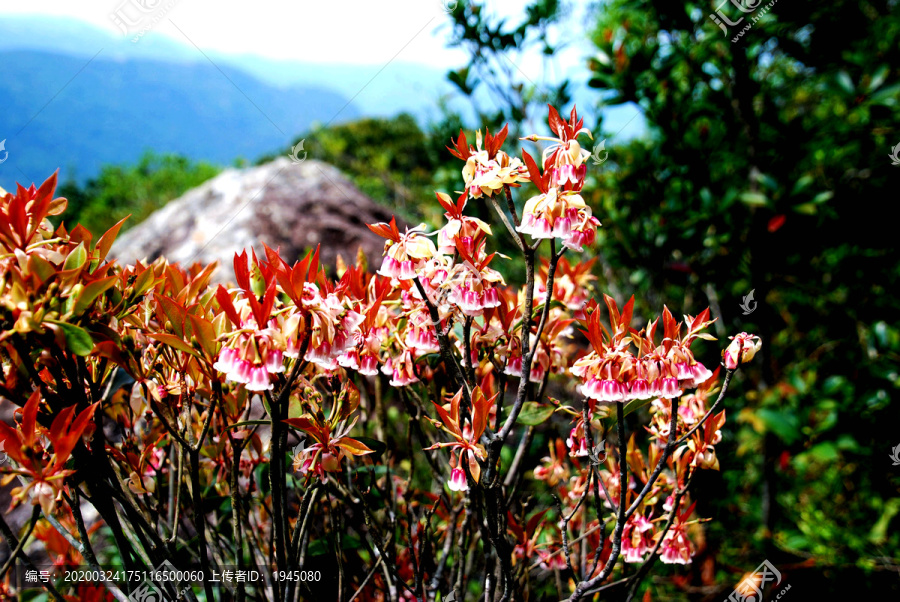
294, 206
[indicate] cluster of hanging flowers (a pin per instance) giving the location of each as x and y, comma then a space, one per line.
560, 211
251, 353
488, 170
612, 372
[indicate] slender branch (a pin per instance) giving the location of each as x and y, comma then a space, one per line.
580, 538
35, 516
645, 568
527, 352
338, 551
415, 413
217, 387
368, 578
307, 501
86, 549
199, 519
564, 523
179, 480
524, 442
448, 542
685, 437
237, 447
551, 274
459, 379
516, 236
17, 546
467, 346
157, 411
667, 451
583, 587
370, 523
510, 204
277, 470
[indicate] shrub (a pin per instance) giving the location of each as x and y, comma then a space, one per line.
368, 437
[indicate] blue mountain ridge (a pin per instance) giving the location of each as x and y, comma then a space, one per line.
77, 97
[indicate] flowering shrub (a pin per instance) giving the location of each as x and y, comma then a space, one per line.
376, 428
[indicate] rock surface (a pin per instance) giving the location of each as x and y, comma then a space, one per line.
294, 206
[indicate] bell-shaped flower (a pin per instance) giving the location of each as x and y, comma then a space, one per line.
553, 214
457, 480
473, 287
637, 538
461, 231
676, 547
564, 159
401, 369
488, 169
403, 253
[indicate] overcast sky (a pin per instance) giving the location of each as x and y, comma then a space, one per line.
320, 31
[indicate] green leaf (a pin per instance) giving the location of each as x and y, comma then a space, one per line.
76, 258
77, 339
878, 534
534, 413
767, 181
824, 452
886, 96
802, 184
845, 83
784, 424
878, 78
91, 292
823, 196
40, 266
754, 198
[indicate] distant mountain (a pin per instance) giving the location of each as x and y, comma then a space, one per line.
76, 96
379, 90
421, 84
79, 113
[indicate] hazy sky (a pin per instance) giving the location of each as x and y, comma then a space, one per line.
320, 31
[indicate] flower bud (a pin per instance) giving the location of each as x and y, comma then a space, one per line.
741, 350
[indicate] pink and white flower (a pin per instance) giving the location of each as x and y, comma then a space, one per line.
741, 350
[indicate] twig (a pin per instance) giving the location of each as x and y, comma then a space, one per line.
684, 438
35, 515
636, 578
177, 495
237, 447
551, 274
448, 542
667, 451
515, 235
585, 586
559, 551
338, 551
453, 368
365, 581
199, 519
14, 544
467, 346
86, 548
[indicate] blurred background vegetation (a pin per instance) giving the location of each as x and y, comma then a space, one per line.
765, 167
